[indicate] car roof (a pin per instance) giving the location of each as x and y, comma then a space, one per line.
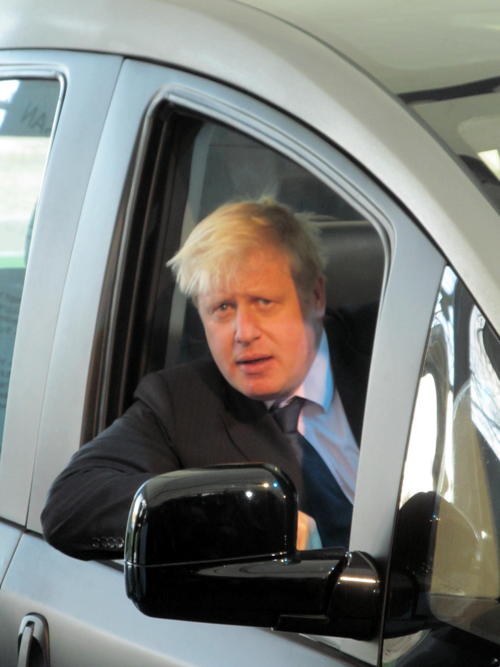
405, 46
349, 60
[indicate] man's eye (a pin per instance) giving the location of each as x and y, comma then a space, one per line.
264, 302
222, 307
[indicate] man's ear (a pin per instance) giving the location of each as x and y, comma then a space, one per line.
319, 297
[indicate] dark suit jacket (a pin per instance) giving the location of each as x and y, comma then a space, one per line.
185, 417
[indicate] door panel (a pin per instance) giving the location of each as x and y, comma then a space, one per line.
91, 622
9, 537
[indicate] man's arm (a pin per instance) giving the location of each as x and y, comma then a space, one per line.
88, 504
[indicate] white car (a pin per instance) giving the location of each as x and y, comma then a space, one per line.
121, 124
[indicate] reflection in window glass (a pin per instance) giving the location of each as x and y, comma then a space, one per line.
447, 540
27, 111
485, 386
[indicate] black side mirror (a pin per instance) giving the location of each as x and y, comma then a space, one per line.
217, 545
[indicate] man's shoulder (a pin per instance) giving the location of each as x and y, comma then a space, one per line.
352, 327
194, 381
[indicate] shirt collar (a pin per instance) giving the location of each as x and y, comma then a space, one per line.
318, 383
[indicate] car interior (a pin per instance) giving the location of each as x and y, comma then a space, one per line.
227, 166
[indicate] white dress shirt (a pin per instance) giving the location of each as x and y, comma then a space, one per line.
323, 422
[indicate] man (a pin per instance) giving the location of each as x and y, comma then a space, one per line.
254, 272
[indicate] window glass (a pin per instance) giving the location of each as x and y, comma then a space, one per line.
448, 535
27, 111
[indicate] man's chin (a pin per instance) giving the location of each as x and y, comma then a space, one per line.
258, 388
263, 393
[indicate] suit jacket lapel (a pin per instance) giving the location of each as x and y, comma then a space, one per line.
256, 435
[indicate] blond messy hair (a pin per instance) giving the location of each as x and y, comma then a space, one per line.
216, 247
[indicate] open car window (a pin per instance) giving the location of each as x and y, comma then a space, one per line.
190, 166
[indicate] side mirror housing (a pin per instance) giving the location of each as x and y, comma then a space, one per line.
217, 545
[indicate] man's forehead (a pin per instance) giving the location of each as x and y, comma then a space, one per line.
261, 267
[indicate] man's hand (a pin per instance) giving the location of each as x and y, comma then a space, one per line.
307, 533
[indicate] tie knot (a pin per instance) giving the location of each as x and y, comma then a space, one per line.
287, 417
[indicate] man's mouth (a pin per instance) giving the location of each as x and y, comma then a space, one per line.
253, 363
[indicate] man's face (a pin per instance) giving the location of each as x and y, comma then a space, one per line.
260, 335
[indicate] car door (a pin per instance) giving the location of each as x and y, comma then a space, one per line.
174, 145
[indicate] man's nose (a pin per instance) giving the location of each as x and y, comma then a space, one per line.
246, 325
